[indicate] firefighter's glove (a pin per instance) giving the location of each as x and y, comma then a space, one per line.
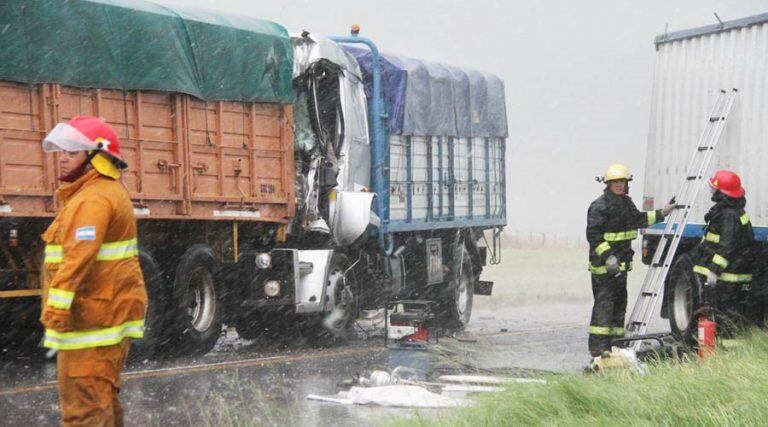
612, 265
56, 319
667, 209
711, 279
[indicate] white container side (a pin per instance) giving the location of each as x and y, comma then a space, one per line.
420, 159
497, 176
441, 166
461, 148
479, 184
398, 178
689, 75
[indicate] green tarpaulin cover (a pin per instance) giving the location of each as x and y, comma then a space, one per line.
134, 44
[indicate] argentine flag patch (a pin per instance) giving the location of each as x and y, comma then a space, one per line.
86, 233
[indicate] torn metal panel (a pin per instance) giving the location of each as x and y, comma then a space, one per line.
310, 292
352, 216
310, 49
304, 139
333, 151
355, 155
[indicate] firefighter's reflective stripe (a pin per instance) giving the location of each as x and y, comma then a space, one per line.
93, 338
59, 298
744, 219
724, 277
600, 330
620, 236
701, 269
601, 248
118, 250
720, 260
651, 217
712, 237
618, 331
600, 270
735, 278
54, 254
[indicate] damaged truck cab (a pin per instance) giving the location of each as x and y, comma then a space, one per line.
384, 212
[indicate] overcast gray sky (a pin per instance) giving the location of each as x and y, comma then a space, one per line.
578, 77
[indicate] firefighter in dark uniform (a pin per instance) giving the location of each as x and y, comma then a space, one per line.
612, 223
723, 258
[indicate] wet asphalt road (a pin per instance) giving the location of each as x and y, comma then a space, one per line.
242, 383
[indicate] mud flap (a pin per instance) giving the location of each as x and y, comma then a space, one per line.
483, 287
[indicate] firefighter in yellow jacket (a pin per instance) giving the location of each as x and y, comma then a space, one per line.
94, 298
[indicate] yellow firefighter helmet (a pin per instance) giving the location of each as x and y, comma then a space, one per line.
615, 172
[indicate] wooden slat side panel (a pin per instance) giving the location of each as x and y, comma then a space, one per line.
145, 124
239, 155
23, 164
161, 160
187, 158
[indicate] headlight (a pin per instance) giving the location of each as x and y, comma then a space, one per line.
263, 260
272, 288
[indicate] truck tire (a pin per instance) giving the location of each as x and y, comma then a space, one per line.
198, 308
346, 299
155, 323
684, 298
456, 307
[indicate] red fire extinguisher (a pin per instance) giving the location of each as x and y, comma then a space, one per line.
707, 332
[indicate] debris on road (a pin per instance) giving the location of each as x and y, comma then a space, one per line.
481, 379
403, 388
410, 396
617, 359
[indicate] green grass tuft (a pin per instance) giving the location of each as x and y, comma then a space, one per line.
729, 388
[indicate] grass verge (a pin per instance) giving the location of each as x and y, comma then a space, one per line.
729, 388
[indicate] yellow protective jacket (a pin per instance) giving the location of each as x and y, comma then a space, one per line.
93, 289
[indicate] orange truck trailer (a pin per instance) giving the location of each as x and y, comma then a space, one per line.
248, 216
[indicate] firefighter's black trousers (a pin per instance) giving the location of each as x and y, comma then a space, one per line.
610, 294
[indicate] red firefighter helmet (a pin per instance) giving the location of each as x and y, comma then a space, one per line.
727, 183
85, 133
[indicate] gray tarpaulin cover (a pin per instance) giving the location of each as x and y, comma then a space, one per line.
426, 98
135, 44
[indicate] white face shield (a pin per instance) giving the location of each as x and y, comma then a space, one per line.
64, 137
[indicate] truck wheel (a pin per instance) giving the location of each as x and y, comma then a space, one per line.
342, 283
684, 298
155, 331
197, 296
457, 303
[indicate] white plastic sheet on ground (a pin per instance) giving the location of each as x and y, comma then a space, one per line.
480, 379
409, 396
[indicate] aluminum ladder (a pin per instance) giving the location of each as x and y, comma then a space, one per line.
653, 284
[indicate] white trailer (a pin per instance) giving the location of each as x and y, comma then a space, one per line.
692, 67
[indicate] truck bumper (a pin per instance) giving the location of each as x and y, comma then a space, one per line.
302, 275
